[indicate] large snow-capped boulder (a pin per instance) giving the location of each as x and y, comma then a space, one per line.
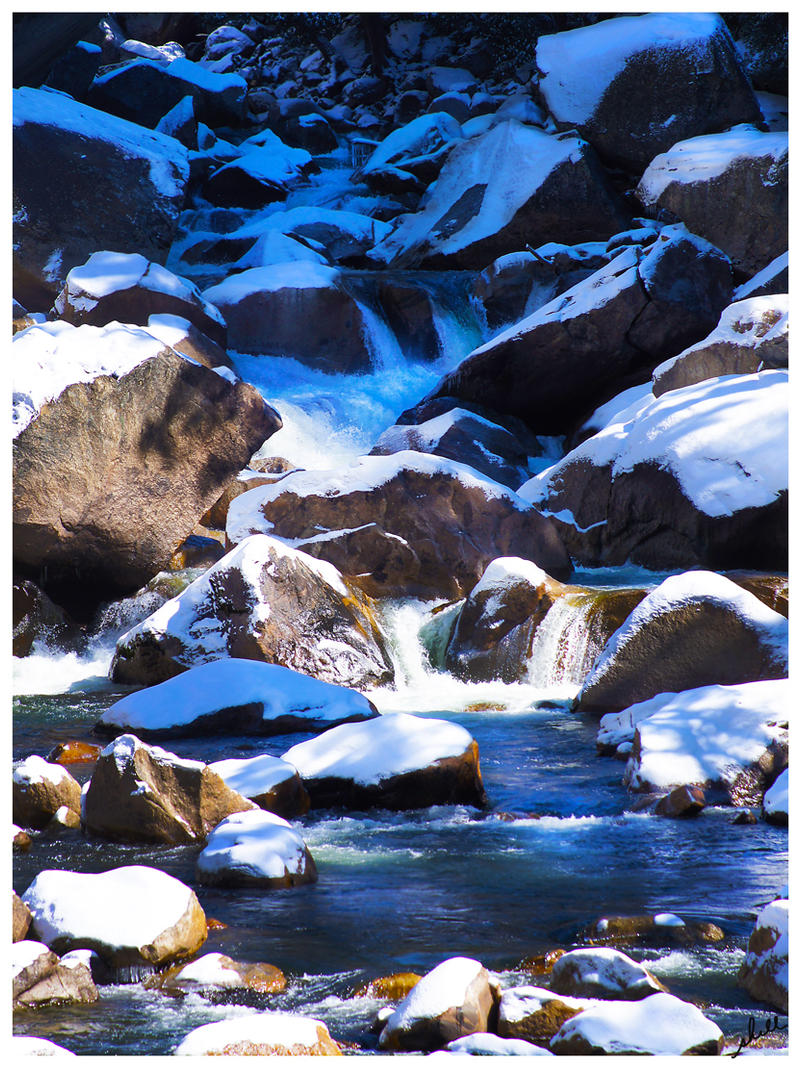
409, 523
141, 793
494, 631
40, 978
776, 801
343, 235
535, 1014
661, 1024
85, 180
132, 916
602, 973
465, 437
129, 288
144, 90
453, 1000
765, 972
269, 782
121, 445
298, 309
266, 171
693, 629
263, 601
630, 314
265, 1033
701, 181
751, 335
39, 790
218, 975
695, 477
634, 86
255, 849
512, 186
730, 740
396, 761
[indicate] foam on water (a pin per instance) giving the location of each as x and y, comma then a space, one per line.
46, 672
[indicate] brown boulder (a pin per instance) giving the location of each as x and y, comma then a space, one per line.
268, 1033
684, 801
765, 972
534, 1014
392, 988
658, 929
437, 524
218, 974
21, 918
602, 973
248, 479
40, 789
110, 476
269, 782
140, 793
70, 981
75, 752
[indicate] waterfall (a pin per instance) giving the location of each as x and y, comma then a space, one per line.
564, 649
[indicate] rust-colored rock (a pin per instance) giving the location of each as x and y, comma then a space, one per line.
21, 918
687, 800
392, 988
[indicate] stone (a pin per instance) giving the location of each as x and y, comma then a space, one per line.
453, 1000
140, 793
134, 917
535, 1014
68, 981
762, 43
215, 974
409, 524
21, 840
684, 801
74, 752
266, 1033
700, 180
40, 789
97, 408
396, 761
393, 988
21, 918
775, 807
634, 86
263, 602
120, 187
38, 621
693, 629
602, 973
658, 930
185, 338
269, 782
765, 972
255, 849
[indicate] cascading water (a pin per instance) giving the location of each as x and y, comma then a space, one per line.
564, 649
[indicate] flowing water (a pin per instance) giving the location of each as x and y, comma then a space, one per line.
558, 847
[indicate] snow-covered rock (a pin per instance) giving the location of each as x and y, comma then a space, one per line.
773, 279
94, 409
661, 1024
40, 789
513, 185
693, 629
421, 144
213, 974
491, 1044
776, 801
634, 86
702, 180
398, 761
765, 973
730, 740
265, 1033
120, 186
22, 1046
602, 973
751, 335
132, 916
269, 782
695, 477
633, 312
655, 930
267, 602
129, 288
40, 978
141, 793
265, 172
255, 849
453, 1000
409, 523
535, 1014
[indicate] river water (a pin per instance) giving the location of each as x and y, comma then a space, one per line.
559, 846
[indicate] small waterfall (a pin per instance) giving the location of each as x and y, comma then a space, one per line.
564, 649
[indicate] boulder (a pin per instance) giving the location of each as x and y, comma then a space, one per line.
535, 1014
38, 621
396, 761
74, 752
129, 288
659, 930
491, 1044
687, 800
773, 279
762, 41
262, 602
765, 972
494, 633
464, 437
513, 185
730, 741
775, 807
418, 148
145, 794
265, 1033
40, 789
119, 186
21, 918
21, 841
679, 481
393, 988
408, 524
621, 321
180, 334
634, 86
121, 446
661, 1024
255, 849
41, 979
602, 973
144, 90
218, 975
751, 335
700, 181
267, 781
453, 1000
264, 171
134, 917
31, 962
298, 309
343, 236
693, 629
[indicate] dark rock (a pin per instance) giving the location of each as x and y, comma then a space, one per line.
685, 801
36, 619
